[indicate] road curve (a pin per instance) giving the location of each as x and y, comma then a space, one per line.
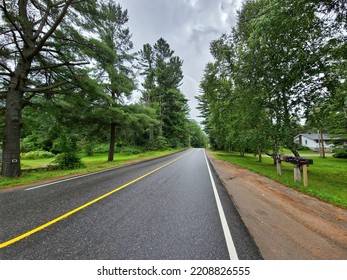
160, 209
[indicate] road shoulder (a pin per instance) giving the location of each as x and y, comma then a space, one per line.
285, 224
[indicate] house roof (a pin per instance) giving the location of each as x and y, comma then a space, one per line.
314, 136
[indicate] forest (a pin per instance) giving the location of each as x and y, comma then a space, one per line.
280, 72
68, 72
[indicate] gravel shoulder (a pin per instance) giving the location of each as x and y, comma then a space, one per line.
285, 224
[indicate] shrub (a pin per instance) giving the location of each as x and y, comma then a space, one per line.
68, 161
158, 143
36, 155
303, 148
101, 148
340, 153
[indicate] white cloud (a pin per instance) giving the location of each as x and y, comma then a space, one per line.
188, 26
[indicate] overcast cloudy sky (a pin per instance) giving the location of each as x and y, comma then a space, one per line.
188, 26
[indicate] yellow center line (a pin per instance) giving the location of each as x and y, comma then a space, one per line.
24, 235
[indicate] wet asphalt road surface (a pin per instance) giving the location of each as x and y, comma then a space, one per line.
171, 213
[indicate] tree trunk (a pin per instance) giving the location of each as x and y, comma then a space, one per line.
112, 141
11, 141
295, 152
322, 142
151, 133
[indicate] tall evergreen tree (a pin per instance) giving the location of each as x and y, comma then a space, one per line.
163, 75
112, 53
37, 40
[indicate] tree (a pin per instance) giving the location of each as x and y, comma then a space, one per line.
282, 62
34, 40
289, 47
163, 75
111, 51
197, 137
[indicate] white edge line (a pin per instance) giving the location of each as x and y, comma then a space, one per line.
226, 230
68, 179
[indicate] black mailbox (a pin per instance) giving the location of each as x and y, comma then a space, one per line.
298, 160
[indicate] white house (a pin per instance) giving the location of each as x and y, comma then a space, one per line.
311, 140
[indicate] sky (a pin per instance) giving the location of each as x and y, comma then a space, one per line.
188, 26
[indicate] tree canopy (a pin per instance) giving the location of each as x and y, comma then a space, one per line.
67, 73
283, 64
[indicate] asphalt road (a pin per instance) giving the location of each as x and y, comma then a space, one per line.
160, 209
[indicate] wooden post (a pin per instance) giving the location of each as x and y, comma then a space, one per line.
297, 173
279, 167
304, 173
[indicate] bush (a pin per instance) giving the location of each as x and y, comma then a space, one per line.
303, 148
340, 153
68, 161
158, 143
36, 155
30, 143
101, 148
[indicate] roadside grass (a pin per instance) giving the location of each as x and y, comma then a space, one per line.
34, 171
327, 177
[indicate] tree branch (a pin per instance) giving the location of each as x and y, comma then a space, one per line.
43, 21
6, 67
43, 89
5, 74
8, 16
26, 101
58, 65
52, 29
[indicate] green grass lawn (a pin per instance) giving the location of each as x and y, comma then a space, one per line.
327, 177
301, 152
32, 171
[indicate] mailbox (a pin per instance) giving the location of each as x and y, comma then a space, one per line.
298, 160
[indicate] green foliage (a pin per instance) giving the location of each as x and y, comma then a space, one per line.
197, 138
81, 79
70, 160
158, 143
163, 74
36, 155
340, 153
130, 150
88, 147
284, 61
303, 148
101, 148
30, 143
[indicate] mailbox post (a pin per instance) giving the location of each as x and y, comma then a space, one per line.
278, 159
298, 162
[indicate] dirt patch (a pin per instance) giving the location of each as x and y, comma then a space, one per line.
285, 224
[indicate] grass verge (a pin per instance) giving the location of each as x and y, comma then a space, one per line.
327, 177
32, 171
